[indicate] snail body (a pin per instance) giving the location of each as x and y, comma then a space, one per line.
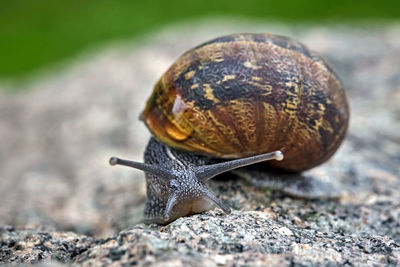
237, 97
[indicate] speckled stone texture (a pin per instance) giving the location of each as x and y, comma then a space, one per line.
62, 203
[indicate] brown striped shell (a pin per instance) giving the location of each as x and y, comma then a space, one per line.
246, 94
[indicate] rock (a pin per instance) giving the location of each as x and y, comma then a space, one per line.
30, 246
212, 238
66, 205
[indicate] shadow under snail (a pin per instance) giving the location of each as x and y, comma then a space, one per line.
235, 101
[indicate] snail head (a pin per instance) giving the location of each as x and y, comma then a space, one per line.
185, 188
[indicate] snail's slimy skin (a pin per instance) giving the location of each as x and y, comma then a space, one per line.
190, 195
184, 192
188, 190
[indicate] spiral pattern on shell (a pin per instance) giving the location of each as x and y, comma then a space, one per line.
246, 94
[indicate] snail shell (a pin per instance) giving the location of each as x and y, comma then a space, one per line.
247, 94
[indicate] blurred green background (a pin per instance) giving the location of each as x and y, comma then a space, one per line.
34, 34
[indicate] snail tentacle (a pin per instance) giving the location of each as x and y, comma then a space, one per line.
168, 208
154, 169
206, 172
218, 202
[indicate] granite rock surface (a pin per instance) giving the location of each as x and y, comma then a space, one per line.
62, 203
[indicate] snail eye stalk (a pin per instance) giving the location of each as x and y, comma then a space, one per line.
206, 172
153, 169
203, 173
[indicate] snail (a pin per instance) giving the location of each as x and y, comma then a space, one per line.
235, 101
